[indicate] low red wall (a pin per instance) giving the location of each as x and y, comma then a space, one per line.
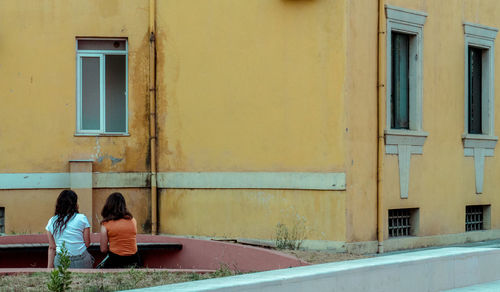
195, 254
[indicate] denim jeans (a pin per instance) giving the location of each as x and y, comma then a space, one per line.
83, 261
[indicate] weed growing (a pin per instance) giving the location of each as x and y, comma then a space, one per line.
293, 238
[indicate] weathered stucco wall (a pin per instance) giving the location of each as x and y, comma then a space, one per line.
361, 117
28, 211
38, 94
315, 215
251, 86
38, 79
243, 87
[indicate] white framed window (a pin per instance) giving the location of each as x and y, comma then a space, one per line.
479, 79
102, 86
404, 68
404, 46
479, 138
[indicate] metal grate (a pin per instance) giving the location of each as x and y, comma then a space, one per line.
399, 222
2, 220
474, 218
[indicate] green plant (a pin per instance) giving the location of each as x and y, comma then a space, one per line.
96, 282
60, 277
223, 271
290, 239
136, 276
194, 277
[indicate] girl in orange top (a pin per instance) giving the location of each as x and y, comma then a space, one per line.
119, 229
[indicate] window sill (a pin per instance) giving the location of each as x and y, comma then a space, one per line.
405, 137
101, 135
479, 141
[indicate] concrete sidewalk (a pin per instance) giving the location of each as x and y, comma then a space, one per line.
484, 287
436, 269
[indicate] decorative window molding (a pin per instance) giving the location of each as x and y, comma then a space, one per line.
407, 141
480, 145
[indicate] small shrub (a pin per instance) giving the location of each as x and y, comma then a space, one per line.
290, 239
60, 277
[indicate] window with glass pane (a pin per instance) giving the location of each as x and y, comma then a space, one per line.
475, 90
91, 96
400, 81
115, 93
102, 86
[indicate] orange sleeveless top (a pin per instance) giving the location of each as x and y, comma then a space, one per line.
122, 236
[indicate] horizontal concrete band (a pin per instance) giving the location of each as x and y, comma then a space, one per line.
176, 180
252, 180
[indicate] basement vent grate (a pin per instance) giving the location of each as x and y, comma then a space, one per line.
400, 222
474, 218
2, 220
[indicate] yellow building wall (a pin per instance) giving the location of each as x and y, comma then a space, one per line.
243, 86
315, 215
361, 117
28, 211
247, 86
38, 80
442, 180
38, 97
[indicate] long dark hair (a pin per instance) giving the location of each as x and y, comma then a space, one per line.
66, 207
115, 208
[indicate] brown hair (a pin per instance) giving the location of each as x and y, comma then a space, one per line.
66, 207
115, 208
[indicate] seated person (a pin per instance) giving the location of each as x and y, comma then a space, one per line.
69, 228
118, 229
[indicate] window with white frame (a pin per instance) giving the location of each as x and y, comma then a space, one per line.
404, 68
102, 82
479, 138
479, 82
403, 132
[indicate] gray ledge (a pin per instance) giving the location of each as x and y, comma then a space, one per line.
405, 137
479, 141
409, 16
480, 31
404, 143
479, 147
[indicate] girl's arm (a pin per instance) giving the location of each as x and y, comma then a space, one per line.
52, 250
86, 236
104, 239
